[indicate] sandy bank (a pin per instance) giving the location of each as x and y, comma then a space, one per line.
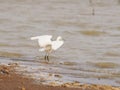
9, 80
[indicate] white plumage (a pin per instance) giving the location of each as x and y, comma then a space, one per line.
43, 40
58, 43
47, 45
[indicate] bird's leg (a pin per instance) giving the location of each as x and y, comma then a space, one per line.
45, 56
48, 57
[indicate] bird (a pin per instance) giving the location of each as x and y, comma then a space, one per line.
47, 45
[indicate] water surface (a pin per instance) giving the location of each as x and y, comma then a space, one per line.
91, 53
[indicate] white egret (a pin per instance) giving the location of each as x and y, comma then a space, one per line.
47, 45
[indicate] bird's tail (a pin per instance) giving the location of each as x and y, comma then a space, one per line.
34, 38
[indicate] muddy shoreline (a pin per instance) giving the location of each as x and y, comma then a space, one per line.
11, 80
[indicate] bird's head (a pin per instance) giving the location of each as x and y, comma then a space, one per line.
59, 38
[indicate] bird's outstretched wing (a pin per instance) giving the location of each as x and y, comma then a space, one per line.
41, 37
43, 40
57, 44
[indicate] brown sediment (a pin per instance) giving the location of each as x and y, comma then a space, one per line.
10, 54
104, 64
92, 33
9, 80
115, 54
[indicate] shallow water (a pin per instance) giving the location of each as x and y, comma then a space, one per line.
91, 53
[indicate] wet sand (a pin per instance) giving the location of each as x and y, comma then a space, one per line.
10, 80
